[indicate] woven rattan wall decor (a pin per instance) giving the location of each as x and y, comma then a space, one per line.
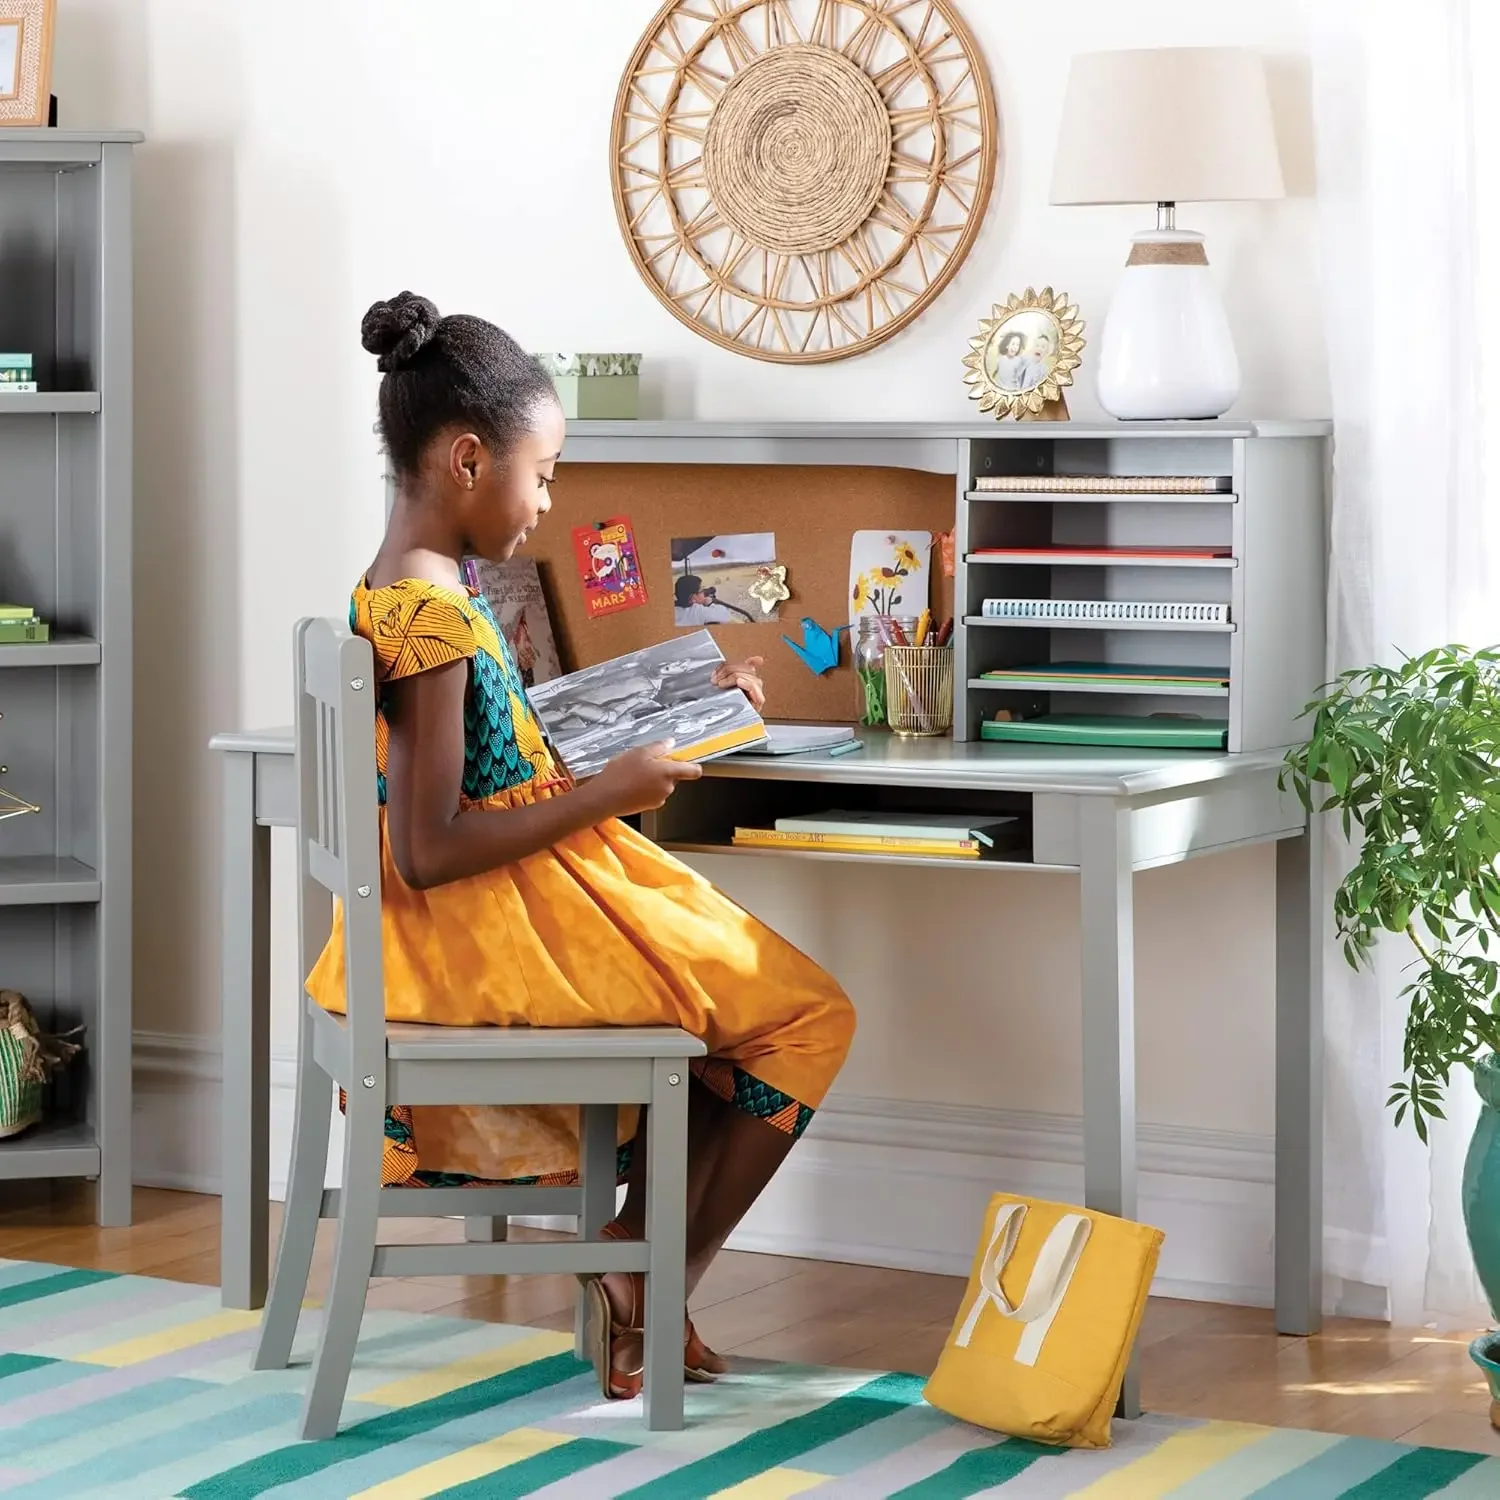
798, 179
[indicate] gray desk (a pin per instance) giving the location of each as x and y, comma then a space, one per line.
1102, 814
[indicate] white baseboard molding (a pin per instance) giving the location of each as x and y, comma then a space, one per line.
874, 1182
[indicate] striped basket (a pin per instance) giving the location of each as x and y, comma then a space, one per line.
28, 1060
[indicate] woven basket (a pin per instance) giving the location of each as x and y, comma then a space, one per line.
28, 1061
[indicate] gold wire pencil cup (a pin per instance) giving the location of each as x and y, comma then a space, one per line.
919, 689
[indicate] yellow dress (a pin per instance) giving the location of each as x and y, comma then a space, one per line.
602, 929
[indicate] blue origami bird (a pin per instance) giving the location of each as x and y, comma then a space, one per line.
819, 649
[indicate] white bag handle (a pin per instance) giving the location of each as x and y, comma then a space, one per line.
1049, 1282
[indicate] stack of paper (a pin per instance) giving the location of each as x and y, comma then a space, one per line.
802, 739
932, 835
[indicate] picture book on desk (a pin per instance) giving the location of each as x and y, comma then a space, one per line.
663, 692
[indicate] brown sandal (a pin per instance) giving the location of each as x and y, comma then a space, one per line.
601, 1330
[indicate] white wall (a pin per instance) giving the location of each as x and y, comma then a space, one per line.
298, 169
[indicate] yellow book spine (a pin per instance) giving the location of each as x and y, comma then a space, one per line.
757, 838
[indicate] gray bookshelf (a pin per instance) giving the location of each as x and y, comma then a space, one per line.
65, 705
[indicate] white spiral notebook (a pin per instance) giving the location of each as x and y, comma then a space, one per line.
1106, 611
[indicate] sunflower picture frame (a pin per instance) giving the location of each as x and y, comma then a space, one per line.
1024, 355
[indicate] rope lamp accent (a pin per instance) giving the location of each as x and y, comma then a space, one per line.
798, 179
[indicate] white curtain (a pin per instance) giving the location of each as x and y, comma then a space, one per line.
1407, 187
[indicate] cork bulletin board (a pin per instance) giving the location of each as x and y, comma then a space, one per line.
814, 513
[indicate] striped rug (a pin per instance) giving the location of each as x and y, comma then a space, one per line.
121, 1386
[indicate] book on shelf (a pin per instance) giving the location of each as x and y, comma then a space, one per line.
664, 692
1104, 484
826, 843
1150, 732
1107, 611
17, 369
903, 828
17, 612
513, 591
1111, 673
1061, 554
28, 632
17, 387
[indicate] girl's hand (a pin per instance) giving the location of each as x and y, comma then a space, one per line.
744, 675
639, 781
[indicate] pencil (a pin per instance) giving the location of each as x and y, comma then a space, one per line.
847, 749
924, 624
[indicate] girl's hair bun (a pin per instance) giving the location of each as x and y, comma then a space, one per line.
396, 331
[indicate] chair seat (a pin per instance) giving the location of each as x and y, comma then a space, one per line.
409, 1042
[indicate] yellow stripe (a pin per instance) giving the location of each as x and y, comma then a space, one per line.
1176, 1461
731, 739
433, 1383
170, 1340
461, 1468
774, 1484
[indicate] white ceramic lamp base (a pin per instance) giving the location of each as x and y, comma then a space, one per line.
1166, 353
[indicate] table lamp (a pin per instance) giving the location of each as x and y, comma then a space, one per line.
1167, 126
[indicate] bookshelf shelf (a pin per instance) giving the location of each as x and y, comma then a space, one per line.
55, 1148
919, 861
50, 403
60, 651
40, 880
66, 467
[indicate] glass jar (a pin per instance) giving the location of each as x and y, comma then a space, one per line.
875, 633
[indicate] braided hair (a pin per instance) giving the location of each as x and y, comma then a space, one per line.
454, 371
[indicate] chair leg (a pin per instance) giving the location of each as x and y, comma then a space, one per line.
302, 1211
666, 1236
359, 1219
486, 1229
598, 1155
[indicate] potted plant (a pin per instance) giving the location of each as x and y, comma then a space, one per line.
1409, 756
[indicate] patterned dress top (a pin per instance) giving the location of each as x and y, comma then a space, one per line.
416, 626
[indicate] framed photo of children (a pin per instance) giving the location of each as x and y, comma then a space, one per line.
26, 28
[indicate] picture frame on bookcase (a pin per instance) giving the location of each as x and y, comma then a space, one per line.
26, 35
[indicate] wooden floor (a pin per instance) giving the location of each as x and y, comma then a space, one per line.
1197, 1359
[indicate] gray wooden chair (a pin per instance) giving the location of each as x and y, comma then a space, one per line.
378, 1064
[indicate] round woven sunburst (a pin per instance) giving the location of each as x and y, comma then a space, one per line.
798, 179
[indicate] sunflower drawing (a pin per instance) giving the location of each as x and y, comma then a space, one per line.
881, 587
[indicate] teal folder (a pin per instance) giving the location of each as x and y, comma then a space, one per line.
1150, 733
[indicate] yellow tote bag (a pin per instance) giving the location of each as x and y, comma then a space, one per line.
1042, 1339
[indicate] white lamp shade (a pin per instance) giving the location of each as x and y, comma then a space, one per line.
1168, 125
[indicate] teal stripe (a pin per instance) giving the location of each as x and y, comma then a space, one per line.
1334, 1472
300, 1460
128, 1460
20, 1364
534, 1473
778, 1445
979, 1469
58, 1426
17, 1272
51, 1286
1415, 1475
1482, 1482
370, 1469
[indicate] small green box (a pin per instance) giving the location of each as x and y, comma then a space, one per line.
596, 387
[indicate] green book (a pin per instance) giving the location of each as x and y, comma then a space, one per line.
23, 632
1151, 733
1098, 671
9, 612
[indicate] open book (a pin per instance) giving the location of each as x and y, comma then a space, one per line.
665, 692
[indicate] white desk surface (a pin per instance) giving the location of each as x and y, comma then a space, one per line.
1068, 770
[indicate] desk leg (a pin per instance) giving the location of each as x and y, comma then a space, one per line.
1106, 880
1299, 1086
246, 997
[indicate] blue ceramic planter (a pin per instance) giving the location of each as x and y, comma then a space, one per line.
1485, 1352
1482, 1185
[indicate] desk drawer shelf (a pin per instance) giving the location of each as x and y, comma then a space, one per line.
1009, 861
1267, 527
1052, 687
58, 1147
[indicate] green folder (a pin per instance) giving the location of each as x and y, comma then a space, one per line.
1153, 733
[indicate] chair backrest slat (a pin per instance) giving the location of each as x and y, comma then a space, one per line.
338, 834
